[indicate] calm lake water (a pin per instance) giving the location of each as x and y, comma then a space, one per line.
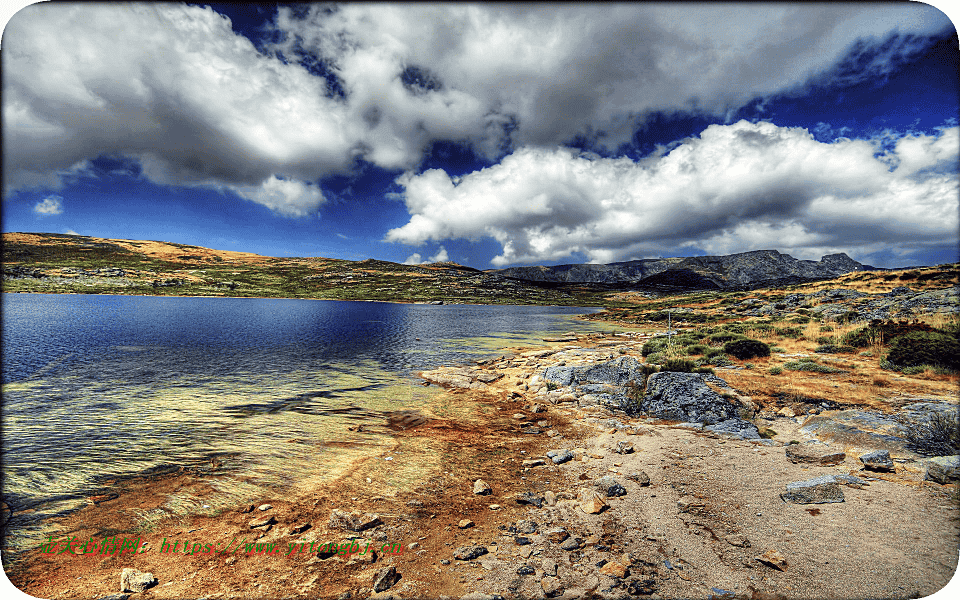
96, 387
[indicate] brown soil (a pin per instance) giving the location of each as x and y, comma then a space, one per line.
895, 538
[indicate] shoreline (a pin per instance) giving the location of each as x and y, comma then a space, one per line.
711, 507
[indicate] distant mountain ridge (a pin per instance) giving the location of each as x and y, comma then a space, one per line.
734, 271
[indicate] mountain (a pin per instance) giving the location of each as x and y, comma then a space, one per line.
745, 270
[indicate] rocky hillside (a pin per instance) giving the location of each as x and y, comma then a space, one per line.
745, 270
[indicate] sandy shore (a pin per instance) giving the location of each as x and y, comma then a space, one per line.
709, 522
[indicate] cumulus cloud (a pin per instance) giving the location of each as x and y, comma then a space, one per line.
49, 206
416, 259
733, 188
173, 88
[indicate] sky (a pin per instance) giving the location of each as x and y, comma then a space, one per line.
492, 135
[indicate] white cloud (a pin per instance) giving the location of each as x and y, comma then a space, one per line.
734, 188
440, 256
287, 197
174, 88
71, 232
416, 259
49, 206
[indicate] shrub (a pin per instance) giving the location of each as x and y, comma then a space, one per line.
825, 339
703, 370
909, 275
746, 348
826, 328
925, 348
695, 349
809, 365
656, 357
789, 332
885, 330
776, 370
912, 370
720, 338
776, 349
654, 345
939, 435
678, 364
834, 349
719, 360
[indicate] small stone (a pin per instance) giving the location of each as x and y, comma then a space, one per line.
611, 487
494, 507
533, 462
465, 523
571, 544
299, 528
469, 552
814, 453
774, 559
738, 540
265, 507
624, 447
614, 569
413, 545
529, 498
878, 460
591, 502
444, 561
550, 498
526, 570
556, 534
786, 411
261, 522
560, 456
640, 477
551, 587
132, 580
549, 567
385, 579
522, 541
689, 504
482, 488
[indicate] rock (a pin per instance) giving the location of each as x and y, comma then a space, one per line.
478, 596
526, 570
494, 507
299, 528
385, 579
529, 498
115, 597
943, 469
737, 427
551, 587
132, 580
522, 541
686, 397
353, 521
614, 569
878, 460
611, 487
482, 488
689, 504
591, 502
533, 462
786, 411
526, 526
738, 540
814, 453
556, 534
774, 559
624, 447
571, 543
261, 522
549, 567
640, 477
550, 498
265, 507
465, 523
819, 490
469, 552
560, 456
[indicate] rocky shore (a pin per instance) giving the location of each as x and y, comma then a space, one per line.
582, 472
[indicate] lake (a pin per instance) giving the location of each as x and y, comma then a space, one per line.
98, 387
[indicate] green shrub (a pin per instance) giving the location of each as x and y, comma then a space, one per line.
654, 345
825, 339
826, 328
656, 357
834, 349
912, 370
719, 360
883, 330
721, 338
704, 370
746, 348
748, 365
925, 348
678, 364
789, 332
776, 349
695, 349
808, 365
776, 370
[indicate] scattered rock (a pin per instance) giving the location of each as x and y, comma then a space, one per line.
265, 507
550, 498
689, 504
469, 552
482, 488
549, 567
624, 447
591, 502
132, 580
385, 579
611, 487
526, 526
560, 456
640, 477
814, 453
526, 570
878, 460
533, 462
556, 534
261, 522
819, 490
299, 528
353, 521
529, 498
465, 523
943, 469
571, 543
614, 569
774, 559
551, 587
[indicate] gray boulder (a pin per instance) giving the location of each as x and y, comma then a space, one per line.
819, 490
686, 397
943, 469
738, 428
611, 487
560, 456
132, 580
878, 460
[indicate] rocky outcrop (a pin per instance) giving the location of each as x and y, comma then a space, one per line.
686, 397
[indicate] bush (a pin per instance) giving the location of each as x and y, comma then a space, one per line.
789, 332
746, 348
776, 370
825, 339
884, 330
703, 370
834, 349
656, 357
721, 338
678, 364
654, 345
695, 349
925, 348
809, 365
719, 360
938, 435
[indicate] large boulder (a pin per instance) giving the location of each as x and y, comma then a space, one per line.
608, 381
686, 397
943, 469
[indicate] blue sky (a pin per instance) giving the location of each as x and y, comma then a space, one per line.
490, 135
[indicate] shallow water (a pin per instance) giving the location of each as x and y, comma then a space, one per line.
97, 387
